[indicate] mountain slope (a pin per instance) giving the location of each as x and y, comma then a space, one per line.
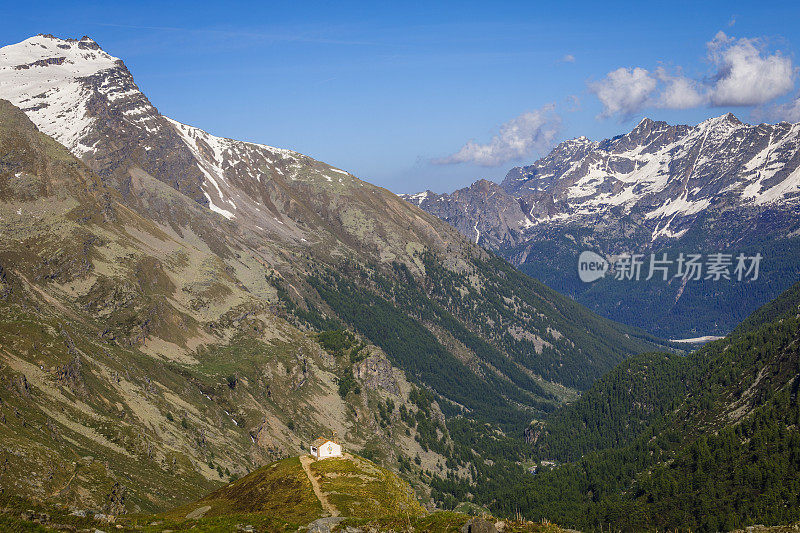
134, 359
720, 186
719, 448
718, 383
178, 306
308, 223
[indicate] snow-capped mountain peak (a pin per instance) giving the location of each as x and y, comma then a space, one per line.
57, 82
75, 57
659, 175
86, 99
728, 119
721, 188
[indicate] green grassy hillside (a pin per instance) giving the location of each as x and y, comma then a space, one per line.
279, 489
359, 488
348, 486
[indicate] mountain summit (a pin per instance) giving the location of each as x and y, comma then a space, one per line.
656, 165
48, 78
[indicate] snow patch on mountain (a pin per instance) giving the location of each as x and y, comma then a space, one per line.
417, 198
210, 152
681, 205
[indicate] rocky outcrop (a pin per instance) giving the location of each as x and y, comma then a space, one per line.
478, 525
376, 373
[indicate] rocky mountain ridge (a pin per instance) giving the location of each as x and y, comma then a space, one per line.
660, 175
708, 188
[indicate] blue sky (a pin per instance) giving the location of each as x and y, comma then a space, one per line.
393, 92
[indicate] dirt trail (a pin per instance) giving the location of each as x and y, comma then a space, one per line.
305, 460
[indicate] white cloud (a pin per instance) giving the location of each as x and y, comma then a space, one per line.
679, 92
746, 74
518, 138
569, 58
624, 91
789, 111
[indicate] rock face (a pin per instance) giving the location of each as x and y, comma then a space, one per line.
376, 372
484, 212
719, 186
478, 525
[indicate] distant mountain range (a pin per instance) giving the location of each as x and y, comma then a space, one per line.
719, 187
